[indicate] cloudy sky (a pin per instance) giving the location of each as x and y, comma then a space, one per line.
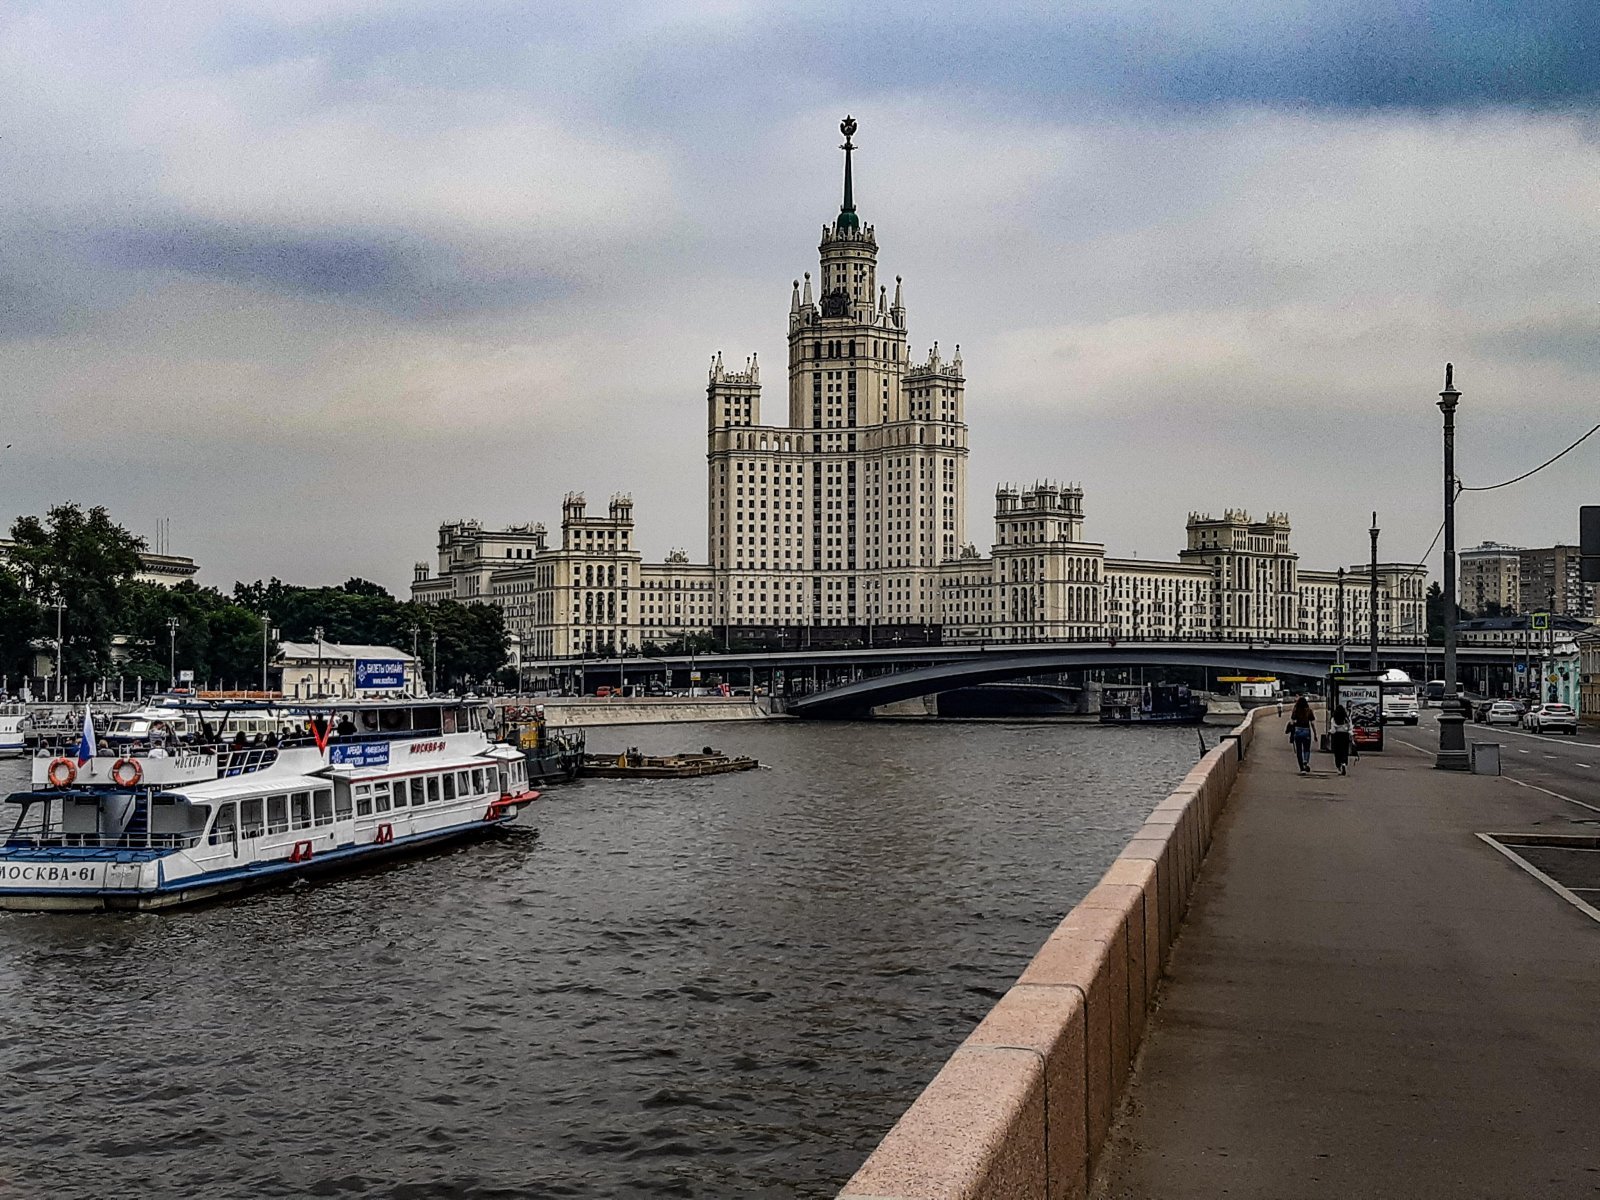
310, 276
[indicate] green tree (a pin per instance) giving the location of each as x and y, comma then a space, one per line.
20, 622
85, 559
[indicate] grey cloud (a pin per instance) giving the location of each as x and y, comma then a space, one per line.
398, 275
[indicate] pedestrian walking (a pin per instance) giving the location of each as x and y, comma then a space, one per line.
1302, 727
1339, 738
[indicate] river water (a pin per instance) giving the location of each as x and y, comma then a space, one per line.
701, 988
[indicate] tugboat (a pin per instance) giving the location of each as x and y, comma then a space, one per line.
551, 757
631, 764
1150, 704
169, 820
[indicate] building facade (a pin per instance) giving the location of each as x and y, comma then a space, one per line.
1550, 580
1490, 579
848, 518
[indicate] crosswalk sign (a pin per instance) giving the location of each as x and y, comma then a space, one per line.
1540, 620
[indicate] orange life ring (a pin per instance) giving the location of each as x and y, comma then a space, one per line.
126, 772
62, 772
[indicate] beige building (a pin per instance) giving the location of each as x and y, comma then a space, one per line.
849, 517
1490, 574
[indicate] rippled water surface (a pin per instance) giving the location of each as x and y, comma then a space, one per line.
719, 987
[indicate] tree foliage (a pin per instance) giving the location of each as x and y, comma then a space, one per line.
115, 625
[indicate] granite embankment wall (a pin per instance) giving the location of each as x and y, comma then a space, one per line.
564, 713
1022, 1108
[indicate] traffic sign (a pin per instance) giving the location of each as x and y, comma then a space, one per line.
1521, 667
1539, 620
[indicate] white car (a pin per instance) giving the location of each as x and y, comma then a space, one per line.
1552, 718
1503, 712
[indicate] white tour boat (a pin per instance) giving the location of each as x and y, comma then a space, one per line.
157, 824
11, 718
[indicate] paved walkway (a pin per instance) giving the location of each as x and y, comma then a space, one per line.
1368, 1001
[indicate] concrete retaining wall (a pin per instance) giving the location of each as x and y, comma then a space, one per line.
1022, 1109
563, 713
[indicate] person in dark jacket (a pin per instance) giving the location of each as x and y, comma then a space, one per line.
1301, 729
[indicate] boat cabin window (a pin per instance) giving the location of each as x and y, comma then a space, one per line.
464, 782
226, 827
450, 787
363, 798
368, 720
341, 805
300, 809
417, 789
380, 797
477, 780
277, 813
250, 817
322, 802
433, 788
449, 725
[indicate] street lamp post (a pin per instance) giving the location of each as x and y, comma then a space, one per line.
1452, 754
172, 653
265, 626
318, 633
1372, 600
416, 663
60, 606
434, 687
1341, 616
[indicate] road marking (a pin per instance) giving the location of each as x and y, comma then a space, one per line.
1548, 792
1592, 913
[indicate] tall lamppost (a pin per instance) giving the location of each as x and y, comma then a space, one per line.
1452, 754
435, 685
1341, 616
318, 633
1372, 600
416, 663
172, 653
60, 606
265, 630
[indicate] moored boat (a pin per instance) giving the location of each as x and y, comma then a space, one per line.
162, 822
552, 756
631, 764
12, 716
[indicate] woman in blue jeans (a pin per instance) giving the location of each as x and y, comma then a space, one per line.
1302, 728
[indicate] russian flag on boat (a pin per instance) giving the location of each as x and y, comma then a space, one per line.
86, 745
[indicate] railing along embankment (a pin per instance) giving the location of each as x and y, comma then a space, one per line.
1022, 1108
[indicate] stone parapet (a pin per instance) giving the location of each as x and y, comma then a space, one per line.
1022, 1109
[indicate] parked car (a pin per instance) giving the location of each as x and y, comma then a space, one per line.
1503, 712
1552, 718
655, 688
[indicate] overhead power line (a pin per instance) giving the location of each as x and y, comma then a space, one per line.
1461, 487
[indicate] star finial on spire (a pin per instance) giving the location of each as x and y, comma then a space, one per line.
847, 210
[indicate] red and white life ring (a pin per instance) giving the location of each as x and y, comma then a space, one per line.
61, 772
126, 772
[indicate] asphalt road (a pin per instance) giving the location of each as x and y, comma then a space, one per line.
1565, 766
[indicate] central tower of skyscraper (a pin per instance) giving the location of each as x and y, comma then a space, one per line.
842, 516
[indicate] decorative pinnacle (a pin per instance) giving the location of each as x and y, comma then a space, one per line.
1449, 397
847, 210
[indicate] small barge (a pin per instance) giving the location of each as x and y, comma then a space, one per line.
631, 764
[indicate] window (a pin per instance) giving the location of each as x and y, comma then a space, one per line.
449, 787
277, 813
477, 780
226, 827
363, 798
300, 809
464, 782
250, 817
380, 797
322, 805
417, 796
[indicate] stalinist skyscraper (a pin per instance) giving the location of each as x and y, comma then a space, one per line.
841, 516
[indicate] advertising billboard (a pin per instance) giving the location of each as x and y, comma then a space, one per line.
379, 674
359, 754
1364, 703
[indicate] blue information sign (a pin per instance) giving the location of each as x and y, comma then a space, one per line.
375, 673
359, 754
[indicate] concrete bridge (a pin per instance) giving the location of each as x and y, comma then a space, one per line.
850, 683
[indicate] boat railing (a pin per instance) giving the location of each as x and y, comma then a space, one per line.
243, 762
23, 839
